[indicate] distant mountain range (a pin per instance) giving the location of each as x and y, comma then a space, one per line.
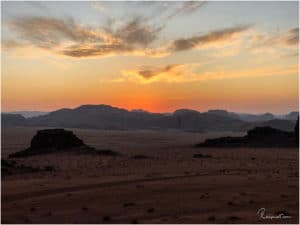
28, 114
108, 117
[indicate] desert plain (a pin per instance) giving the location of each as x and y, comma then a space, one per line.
159, 177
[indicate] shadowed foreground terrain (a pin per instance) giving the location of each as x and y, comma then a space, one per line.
158, 177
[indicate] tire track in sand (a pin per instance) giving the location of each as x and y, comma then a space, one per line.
62, 190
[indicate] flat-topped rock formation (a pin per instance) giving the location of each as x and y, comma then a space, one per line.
57, 140
259, 137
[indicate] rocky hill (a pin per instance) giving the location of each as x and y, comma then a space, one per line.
259, 137
108, 117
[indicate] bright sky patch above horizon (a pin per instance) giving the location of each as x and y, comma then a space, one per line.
156, 56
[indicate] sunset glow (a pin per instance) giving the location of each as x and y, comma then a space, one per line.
240, 56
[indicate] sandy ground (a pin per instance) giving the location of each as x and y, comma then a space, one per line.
170, 186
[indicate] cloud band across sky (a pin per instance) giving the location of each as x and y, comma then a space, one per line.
181, 73
136, 35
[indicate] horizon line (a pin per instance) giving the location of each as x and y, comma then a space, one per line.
212, 109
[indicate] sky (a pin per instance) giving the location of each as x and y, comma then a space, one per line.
156, 56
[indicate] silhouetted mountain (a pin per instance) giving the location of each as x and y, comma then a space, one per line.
259, 137
267, 116
97, 116
108, 117
186, 112
12, 120
28, 114
139, 111
286, 125
255, 118
291, 116
224, 113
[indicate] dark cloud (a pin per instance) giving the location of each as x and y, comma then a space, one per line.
136, 31
96, 50
132, 37
48, 32
292, 37
186, 8
220, 35
148, 72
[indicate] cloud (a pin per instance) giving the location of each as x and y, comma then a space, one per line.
137, 32
8, 44
134, 37
182, 73
131, 38
292, 37
49, 32
212, 37
155, 9
186, 8
288, 38
95, 50
71, 39
148, 73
